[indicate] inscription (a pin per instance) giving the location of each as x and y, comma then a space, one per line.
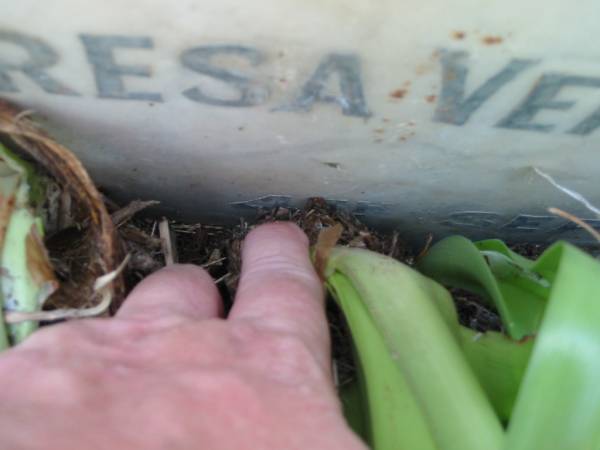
336, 80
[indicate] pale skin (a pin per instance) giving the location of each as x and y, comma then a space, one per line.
169, 372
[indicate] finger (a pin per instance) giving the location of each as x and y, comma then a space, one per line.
177, 292
280, 289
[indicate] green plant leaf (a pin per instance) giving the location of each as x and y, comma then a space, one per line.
505, 279
499, 364
401, 323
26, 276
558, 406
389, 416
351, 395
9, 184
545, 387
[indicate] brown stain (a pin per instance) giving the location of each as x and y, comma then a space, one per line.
492, 40
525, 339
406, 137
398, 93
459, 35
38, 261
422, 69
429, 65
326, 241
6, 208
379, 130
431, 98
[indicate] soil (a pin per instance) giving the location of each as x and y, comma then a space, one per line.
217, 249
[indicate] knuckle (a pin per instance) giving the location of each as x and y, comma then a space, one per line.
224, 388
285, 357
95, 341
63, 336
246, 332
61, 380
291, 270
234, 385
290, 346
65, 385
129, 329
211, 344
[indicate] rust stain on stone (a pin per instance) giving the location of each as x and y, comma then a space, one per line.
492, 40
398, 93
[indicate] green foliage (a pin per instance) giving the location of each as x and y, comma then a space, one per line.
420, 390
426, 382
491, 270
558, 406
26, 277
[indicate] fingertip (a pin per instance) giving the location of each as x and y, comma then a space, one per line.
279, 288
180, 290
283, 239
277, 231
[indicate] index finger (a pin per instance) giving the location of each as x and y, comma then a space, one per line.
279, 288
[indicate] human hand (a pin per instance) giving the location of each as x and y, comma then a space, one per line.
167, 372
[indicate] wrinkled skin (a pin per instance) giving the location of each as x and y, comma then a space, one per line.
168, 372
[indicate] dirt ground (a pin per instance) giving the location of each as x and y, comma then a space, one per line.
217, 249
